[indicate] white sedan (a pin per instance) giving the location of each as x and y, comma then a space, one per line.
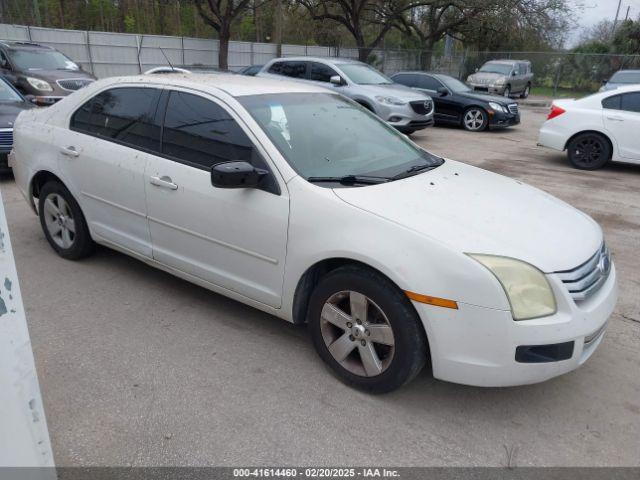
596, 129
299, 202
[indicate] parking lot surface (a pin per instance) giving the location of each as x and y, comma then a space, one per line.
140, 368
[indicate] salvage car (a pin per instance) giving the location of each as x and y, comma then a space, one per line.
298, 201
41, 71
457, 104
503, 77
11, 104
596, 129
402, 107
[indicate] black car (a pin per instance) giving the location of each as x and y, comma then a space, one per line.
251, 70
11, 104
457, 104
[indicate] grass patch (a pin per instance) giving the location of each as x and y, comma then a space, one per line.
561, 93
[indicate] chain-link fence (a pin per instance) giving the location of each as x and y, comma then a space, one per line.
108, 54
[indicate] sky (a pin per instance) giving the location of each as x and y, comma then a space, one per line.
595, 10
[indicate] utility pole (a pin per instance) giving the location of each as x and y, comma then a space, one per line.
626, 17
277, 27
36, 13
615, 21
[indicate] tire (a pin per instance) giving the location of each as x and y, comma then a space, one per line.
526, 91
507, 91
589, 151
408, 132
378, 353
475, 119
63, 223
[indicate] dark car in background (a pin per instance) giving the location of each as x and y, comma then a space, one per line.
620, 79
11, 104
457, 104
41, 71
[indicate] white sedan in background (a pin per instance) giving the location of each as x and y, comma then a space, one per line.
298, 201
596, 129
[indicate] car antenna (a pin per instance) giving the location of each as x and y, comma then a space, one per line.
167, 59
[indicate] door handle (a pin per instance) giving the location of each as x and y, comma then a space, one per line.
163, 182
616, 119
70, 151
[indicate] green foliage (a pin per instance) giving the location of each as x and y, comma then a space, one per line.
129, 24
627, 38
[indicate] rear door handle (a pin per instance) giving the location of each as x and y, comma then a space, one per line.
616, 119
70, 151
163, 182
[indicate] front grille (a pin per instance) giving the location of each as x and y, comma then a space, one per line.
6, 138
513, 108
422, 107
585, 280
73, 84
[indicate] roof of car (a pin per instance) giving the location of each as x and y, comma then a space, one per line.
336, 60
628, 70
25, 45
234, 85
507, 60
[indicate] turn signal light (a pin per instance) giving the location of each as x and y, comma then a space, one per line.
429, 300
555, 111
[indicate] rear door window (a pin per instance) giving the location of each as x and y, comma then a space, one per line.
611, 103
276, 68
407, 79
630, 102
123, 115
320, 72
427, 82
294, 69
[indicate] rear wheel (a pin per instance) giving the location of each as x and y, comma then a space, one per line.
589, 151
526, 92
63, 223
507, 91
366, 330
475, 119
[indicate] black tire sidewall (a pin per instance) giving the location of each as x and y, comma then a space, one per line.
411, 349
596, 165
82, 244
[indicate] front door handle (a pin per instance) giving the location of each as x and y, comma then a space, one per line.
163, 182
70, 151
616, 119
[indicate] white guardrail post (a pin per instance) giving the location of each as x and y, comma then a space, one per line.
24, 437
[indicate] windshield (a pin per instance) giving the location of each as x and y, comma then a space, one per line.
8, 94
626, 77
454, 84
327, 135
41, 60
501, 68
364, 74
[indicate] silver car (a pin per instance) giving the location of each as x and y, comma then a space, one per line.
404, 108
503, 77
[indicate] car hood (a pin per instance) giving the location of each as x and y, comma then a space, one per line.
394, 90
471, 210
485, 77
9, 112
487, 97
53, 75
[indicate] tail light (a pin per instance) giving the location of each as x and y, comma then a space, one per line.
555, 112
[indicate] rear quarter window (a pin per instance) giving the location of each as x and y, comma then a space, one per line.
612, 102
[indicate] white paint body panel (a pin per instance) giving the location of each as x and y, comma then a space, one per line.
255, 247
587, 114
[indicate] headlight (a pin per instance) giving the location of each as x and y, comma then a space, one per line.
527, 288
499, 81
39, 84
470, 79
497, 107
390, 100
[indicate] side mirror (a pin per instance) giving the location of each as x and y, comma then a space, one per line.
31, 98
337, 80
442, 91
236, 175
477, 70
513, 74
605, 81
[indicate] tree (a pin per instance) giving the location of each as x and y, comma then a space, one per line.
220, 14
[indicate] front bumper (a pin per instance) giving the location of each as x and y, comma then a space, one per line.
501, 119
403, 117
4, 161
477, 346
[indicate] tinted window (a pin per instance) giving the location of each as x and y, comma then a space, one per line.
294, 69
200, 132
631, 102
612, 103
407, 79
321, 72
276, 68
428, 83
626, 77
126, 115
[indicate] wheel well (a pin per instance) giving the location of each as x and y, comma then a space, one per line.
365, 105
594, 132
39, 179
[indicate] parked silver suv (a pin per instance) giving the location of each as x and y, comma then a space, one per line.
404, 108
503, 77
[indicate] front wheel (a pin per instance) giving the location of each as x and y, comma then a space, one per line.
526, 92
507, 91
63, 223
589, 151
366, 330
475, 119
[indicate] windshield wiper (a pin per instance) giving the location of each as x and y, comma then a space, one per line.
416, 168
350, 180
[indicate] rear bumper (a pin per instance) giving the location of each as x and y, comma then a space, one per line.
478, 346
553, 138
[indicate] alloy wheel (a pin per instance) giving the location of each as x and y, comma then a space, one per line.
474, 119
59, 221
588, 151
357, 333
